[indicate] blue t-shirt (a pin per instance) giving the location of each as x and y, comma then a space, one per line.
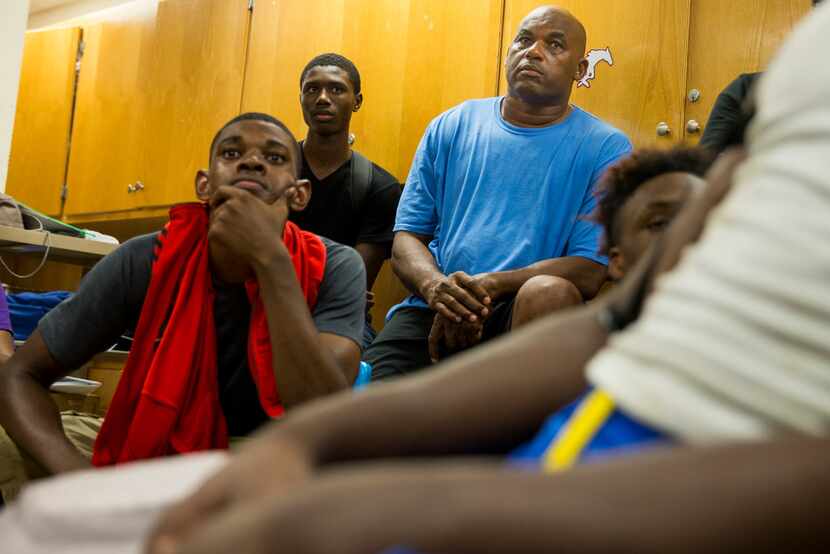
497, 197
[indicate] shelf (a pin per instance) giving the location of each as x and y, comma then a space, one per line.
62, 248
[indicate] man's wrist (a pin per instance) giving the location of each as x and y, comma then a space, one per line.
276, 259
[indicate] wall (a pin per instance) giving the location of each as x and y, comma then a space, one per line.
13, 16
66, 13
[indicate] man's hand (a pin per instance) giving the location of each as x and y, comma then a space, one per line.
448, 337
458, 297
248, 225
266, 467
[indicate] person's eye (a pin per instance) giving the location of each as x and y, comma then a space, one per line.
523, 41
230, 153
658, 225
311, 90
337, 90
275, 158
556, 46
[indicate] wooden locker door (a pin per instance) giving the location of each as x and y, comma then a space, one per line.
40, 143
645, 85
192, 88
105, 155
730, 38
416, 59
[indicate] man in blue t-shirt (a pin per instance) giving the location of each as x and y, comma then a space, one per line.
492, 228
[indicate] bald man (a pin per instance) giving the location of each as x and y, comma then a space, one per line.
492, 229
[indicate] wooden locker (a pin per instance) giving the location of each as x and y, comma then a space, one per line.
730, 38
40, 142
107, 140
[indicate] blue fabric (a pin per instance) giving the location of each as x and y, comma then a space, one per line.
618, 434
364, 376
27, 308
497, 197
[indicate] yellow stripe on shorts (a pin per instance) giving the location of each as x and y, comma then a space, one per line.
575, 435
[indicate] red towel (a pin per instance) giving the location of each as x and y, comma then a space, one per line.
168, 399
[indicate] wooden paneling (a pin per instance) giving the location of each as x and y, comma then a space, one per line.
416, 59
193, 88
107, 134
648, 40
730, 38
40, 143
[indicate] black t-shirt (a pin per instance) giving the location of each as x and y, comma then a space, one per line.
111, 297
730, 115
331, 212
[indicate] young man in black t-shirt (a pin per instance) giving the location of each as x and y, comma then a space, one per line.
353, 200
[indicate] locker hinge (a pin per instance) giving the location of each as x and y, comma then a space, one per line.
81, 46
251, 5
64, 193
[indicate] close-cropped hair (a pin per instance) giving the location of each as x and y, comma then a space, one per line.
258, 116
336, 60
623, 179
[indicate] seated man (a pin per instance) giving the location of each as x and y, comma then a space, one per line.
233, 325
353, 200
726, 368
492, 229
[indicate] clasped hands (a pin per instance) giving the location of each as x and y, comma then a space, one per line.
462, 303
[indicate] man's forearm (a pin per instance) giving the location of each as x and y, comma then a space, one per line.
413, 263
739, 498
472, 403
585, 274
32, 421
303, 367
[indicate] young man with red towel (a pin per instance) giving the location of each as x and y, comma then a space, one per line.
232, 325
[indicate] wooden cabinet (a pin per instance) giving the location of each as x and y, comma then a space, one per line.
153, 90
40, 145
730, 38
107, 135
416, 59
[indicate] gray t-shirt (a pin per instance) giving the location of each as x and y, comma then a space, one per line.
111, 296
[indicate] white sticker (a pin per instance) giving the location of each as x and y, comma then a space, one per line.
594, 57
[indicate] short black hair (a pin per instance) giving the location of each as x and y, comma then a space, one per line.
330, 58
258, 116
623, 179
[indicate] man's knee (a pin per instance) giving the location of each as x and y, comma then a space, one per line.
544, 294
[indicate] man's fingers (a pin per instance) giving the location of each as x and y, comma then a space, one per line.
459, 309
442, 309
474, 286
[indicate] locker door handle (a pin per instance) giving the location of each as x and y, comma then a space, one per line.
663, 129
693, 126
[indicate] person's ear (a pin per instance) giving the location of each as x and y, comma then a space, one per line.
358, 101
202, 185
581, 69
301, 197
616, 264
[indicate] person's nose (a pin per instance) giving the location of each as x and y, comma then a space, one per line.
323, 98
535, 51
251, 163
